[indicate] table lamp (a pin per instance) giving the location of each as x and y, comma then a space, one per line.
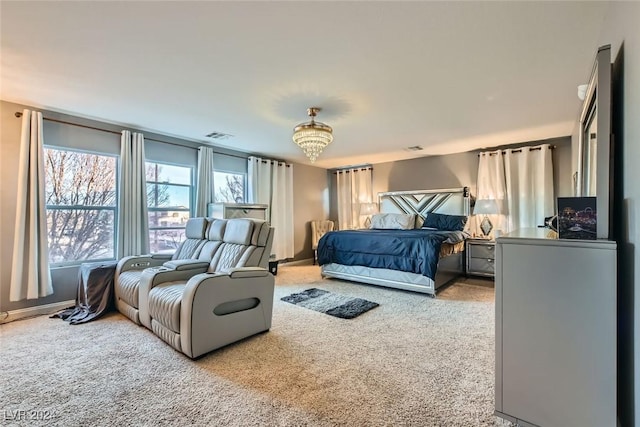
368, 209
486, 207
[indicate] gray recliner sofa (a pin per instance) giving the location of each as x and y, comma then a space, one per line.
129, 269
198, 306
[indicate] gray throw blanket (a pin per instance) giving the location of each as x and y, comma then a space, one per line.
95, 293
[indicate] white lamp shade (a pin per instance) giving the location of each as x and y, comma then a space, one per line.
368, 208
486, 207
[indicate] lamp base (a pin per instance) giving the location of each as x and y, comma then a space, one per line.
486, 226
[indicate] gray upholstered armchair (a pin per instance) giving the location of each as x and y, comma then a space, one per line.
197, 310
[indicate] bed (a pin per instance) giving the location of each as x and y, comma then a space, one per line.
417, 260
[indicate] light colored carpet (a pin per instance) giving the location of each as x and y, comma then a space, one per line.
413, 361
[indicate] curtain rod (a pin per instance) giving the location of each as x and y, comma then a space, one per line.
19, 114
353, 170
517, 150
277, 162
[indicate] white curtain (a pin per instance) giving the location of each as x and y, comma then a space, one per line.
271, 183
343, 179
529, 186
354, 188
133, 221
30, 274
204, 190
491, 186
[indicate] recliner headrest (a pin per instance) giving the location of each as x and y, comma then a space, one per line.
239, 231
217, 229
195, 228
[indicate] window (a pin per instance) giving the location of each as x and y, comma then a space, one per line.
229, 187
169, 195
81, 203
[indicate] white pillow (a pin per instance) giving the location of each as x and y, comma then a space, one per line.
391, 221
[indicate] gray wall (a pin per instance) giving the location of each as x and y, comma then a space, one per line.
454, 170
311, 201
620, 30
447, 171
310, 186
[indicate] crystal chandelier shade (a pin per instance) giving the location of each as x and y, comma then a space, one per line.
312, 137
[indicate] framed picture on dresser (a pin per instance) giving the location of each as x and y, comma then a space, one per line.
577, 218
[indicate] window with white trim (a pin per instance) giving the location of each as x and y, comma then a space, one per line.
229, 186
169, 196
81, 203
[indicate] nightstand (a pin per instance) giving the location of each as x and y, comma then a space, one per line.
481, 257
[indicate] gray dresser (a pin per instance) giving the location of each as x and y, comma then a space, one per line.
555, 330
237, 210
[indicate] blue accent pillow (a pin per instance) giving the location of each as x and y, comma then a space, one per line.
445, 222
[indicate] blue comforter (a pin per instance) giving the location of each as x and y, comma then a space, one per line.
416, 251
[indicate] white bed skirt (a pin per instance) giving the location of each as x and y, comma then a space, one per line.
381, 277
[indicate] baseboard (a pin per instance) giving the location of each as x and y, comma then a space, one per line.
10, 316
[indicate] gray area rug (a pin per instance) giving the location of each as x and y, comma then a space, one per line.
415, 361
329, 303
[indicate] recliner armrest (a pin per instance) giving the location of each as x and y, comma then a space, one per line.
241, 272
138, 262
162, 256
241, 307
186, 264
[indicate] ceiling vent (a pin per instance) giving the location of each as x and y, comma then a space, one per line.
414, 148
218, 135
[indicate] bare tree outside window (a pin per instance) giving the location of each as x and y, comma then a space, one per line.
157, 193
229, 187
81, 202
169, 204
80, 195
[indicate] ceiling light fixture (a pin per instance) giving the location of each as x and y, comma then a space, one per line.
312, 136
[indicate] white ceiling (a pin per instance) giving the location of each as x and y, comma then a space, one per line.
448, 76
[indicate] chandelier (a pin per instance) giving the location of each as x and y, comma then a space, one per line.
312, 136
